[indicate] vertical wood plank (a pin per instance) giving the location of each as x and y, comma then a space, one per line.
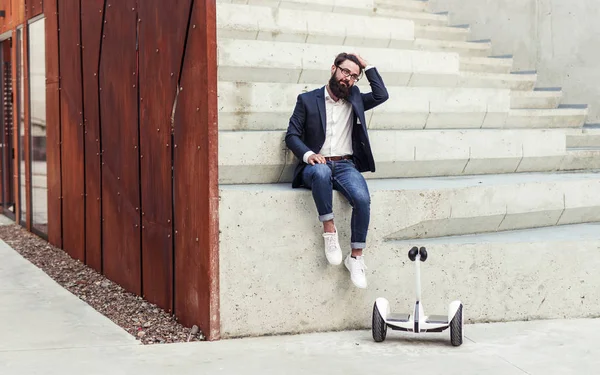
53, 147
28, 8
162, 31
92, 18
33, 8
195, 178
15, 79
72, 130
27, 124
120, 154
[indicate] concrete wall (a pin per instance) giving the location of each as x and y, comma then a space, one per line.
558, 38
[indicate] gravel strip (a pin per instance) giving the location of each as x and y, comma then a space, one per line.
147, 322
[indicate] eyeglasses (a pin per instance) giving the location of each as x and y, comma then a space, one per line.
348, 73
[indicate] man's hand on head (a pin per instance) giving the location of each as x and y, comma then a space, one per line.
362, 61
316, 159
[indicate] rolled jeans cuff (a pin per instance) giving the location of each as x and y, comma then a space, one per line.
358, 245
326, 217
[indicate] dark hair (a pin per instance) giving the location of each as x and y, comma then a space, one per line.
346, 56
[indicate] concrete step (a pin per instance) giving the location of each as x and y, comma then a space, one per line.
562, 117
250, 22
581, 159
454, 33
410, 5
268, 106
291, 25
471, 49
543, 98
517, 82
246, 61
588, 136
239, 61
360, 7
265, 228
262, 156
445, 206
502, 65
419, 18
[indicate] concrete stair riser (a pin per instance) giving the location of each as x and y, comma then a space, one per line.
297, 26
586, 137
268, 106
360, 7
467, 49
311, 289
410, 5
581, 160
528, 279
486, 65
241, 61
292, 25
442, 33
535, 99
521, 82
420, 18
261, 157
547, 118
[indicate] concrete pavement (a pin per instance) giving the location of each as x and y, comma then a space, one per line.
36, 313
46, 330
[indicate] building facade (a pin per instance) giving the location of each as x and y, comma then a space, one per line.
108, 121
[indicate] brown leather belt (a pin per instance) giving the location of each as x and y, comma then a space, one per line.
338, 158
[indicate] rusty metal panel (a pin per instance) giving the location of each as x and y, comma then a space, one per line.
195, 178
14, 16
33, 8
15, 79
53, 153
49, 7
92, 18
27, 124
71, 102
120, 156
162, 30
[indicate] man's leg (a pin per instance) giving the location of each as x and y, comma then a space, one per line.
318, 178
351, 183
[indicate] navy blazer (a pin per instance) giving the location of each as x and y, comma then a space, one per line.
306, 130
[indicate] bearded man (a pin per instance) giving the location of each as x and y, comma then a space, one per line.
328, 133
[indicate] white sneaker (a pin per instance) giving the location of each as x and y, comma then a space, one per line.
357, 269
333, 252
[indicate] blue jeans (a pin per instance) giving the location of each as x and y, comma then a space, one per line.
343, 176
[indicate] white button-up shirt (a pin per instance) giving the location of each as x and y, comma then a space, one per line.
338, 130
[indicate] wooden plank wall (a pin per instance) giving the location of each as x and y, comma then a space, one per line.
34, 8
53, 129
27, 127
16, 44
120, 146
162, 31
131, 95
92, 16
196, 193
72, 145
14, 14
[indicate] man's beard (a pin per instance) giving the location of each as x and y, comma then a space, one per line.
339, 90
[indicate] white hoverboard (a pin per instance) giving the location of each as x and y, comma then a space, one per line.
417, 322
